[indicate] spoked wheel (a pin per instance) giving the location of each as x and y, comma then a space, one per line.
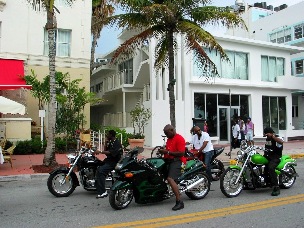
228, 184
120, 199
200, 190
220, 169
288, 179
59, 185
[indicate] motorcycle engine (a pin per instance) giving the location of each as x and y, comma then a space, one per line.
89, 177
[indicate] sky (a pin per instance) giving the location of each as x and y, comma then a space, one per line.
108, 39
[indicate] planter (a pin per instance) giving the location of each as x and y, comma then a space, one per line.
136, 143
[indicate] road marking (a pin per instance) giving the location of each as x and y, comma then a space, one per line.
203, 215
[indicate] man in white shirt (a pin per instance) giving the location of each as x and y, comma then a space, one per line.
202, 144
236, 135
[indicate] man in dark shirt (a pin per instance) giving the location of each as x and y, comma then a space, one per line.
274, 145
113, 151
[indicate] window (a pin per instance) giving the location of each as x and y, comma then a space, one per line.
281, 36
299, 66
63, 44
92, 89
298, 31
206, 106
236, 68
127, 69
295, 106
274, 112
295, 111
98, 87
272, 67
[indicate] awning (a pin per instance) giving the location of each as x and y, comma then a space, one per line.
10, 106
11, 74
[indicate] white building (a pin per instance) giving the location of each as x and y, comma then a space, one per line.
258, 79
23, 38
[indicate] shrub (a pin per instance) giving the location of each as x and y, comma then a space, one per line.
23, 147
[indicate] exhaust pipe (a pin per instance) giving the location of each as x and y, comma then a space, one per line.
193, 185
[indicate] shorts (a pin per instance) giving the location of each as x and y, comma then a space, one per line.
249, 136
174, 169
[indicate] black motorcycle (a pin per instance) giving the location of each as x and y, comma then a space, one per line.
145, 181
217, 166
63, 180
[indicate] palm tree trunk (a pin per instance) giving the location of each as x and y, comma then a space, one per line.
171, 78
94, 44
49, 156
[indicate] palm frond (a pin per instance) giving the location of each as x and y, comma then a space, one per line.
217, 16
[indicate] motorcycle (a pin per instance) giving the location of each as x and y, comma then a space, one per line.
249, 172
63, 180
217, 166
144, 180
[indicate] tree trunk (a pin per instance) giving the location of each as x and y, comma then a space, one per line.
49, 156
94, 44
171, 79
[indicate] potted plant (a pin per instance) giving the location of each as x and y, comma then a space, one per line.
139, 117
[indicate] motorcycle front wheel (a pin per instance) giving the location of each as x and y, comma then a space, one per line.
219, 167
288, 179
228, 184
59, 185
200, 190
120, 199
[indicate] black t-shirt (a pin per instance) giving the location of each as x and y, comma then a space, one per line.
115, 149
276, 148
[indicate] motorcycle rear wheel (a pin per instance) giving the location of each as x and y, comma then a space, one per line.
287, 180
227, 183
200, 190
120, 199
56, 187
220, 166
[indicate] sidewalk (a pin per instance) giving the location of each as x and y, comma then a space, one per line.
22, 164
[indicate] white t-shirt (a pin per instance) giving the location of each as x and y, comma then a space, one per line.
236, 131
197, 143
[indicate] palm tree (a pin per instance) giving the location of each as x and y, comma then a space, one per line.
101, 10
163, 20
50, 26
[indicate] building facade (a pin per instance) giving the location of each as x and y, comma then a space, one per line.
23, 37
256, 83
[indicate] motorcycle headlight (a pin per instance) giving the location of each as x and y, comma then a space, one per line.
71, 158
240, 154
118, 166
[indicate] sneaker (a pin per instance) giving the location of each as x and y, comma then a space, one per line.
103, 195
179, 205
275, 191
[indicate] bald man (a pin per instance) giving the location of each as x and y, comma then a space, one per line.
174, 157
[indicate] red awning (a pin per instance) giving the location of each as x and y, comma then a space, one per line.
11, 74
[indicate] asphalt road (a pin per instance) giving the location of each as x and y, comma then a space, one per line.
28, 203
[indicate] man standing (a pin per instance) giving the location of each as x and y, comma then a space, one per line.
273, 154
242, 127
113, 151
174, 156
236, 135
202, 144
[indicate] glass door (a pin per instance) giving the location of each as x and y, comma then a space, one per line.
226, 115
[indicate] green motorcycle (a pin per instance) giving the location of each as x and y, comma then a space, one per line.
144, 180
249, 172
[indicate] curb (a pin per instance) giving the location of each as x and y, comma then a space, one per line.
36, 176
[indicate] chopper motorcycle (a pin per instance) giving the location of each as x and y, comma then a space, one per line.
249, 172
63, 180
144, 180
